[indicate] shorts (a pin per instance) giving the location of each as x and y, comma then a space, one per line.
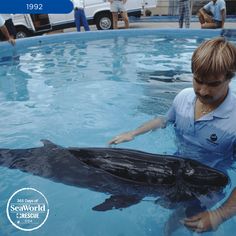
218, 23
10, 27
11, 30
117, 6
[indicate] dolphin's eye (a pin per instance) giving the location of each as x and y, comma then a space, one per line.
189, 172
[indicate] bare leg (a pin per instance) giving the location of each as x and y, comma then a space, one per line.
209, 26
206, 21
115, 20
201, 18
126, 19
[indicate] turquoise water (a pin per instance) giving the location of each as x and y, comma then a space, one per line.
78, 91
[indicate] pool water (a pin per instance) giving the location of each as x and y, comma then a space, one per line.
82, 91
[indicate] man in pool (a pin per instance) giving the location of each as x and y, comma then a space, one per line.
212, 15
203, 116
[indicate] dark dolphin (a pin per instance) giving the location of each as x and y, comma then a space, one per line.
127, 175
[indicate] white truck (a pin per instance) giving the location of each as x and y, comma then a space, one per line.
97, 12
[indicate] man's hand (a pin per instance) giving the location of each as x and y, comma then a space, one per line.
125, 137
12, 41
204, 221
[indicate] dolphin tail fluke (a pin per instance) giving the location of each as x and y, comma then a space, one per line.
117, 202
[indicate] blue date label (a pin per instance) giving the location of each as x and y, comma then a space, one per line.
35, 7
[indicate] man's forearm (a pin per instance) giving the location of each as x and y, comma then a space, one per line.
223, 15
5, 32
150, 125
228, 209
202, 12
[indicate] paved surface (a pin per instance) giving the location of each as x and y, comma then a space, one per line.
168, 24
193, 25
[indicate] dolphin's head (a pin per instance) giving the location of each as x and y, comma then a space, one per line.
203, 178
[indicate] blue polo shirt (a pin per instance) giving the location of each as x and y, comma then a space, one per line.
215, 9
210, 139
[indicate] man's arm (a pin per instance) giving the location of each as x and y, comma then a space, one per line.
210, 220
148, 126
223, 15
203, 12
6, 34
228, 209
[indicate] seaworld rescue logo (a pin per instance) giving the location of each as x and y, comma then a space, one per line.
213, 139
27, 209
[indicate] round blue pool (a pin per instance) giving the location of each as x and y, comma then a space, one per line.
81, 89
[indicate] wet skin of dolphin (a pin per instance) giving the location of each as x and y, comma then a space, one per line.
127, 175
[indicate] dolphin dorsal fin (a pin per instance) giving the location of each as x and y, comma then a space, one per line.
48, 143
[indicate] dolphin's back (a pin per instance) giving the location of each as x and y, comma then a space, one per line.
117, 171
147, 168
130, 164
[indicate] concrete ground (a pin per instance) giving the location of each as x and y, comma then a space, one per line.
139, 25
193, 25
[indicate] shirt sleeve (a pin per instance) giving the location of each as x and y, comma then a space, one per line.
180, 99
2, 21
222, 5
171, 113
207, 7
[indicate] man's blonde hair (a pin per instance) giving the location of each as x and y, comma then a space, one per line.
214, 57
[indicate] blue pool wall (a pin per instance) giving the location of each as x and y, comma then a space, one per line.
98, 35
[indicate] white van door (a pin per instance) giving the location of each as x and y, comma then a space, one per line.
133, 4
41, 22
93, 2
150, 3
58, 19
23, 24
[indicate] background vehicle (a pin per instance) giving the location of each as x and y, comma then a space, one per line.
97, 12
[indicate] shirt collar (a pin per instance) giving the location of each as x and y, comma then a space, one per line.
223, 110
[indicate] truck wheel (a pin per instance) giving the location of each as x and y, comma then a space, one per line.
104, 21
22, 32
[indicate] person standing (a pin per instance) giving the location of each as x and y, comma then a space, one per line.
79, 14
5, 32
116, 7
212, 15
184, 13
9, 24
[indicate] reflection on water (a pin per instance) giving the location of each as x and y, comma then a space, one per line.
13, 83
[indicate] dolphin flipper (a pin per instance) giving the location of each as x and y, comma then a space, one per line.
117, 202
